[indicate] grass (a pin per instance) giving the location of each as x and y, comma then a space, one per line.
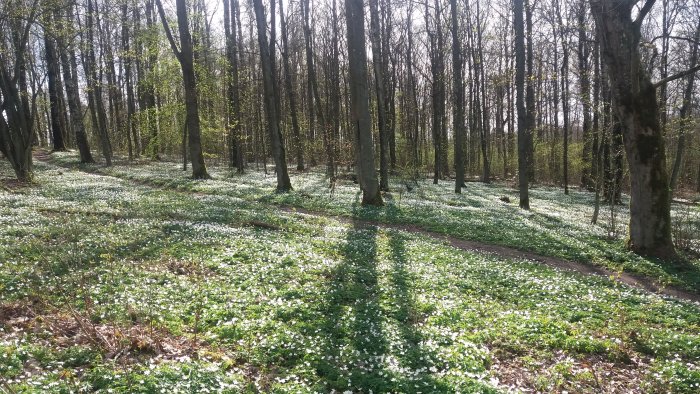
111, 285
558, 225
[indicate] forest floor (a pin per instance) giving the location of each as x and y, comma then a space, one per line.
135, 278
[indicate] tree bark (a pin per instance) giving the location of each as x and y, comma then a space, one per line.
298, 142
564, 95
530, 97
116, 100
458, 101
587, 173
99, 116
276, 141
148, 86
484, 108
131, 130
635, 102
412, 100
437, 69
58, 130
17, 130
389, 80
523, 178
685, 113
70, 76
379, 73
333, 119
314, 96
235, 140
359, 103
185, 56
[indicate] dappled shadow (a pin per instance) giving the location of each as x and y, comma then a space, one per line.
355, 345
358, 354
413, 355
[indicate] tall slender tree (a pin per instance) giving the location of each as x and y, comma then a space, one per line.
185, 57
564, 91
69, 67
437, 69
685, 110
360, 120
458, 99
523, 178
379, 74
288, 86
315, 107
270, 98
97, 110
131, 129
58, 123
587, 174
235, 140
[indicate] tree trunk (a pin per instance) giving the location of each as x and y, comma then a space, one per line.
116, 101
314, 93
17, 130
333, 118
235, 140
276, 141
635, 102
530, 98
130, 101
389, 80
685, 111
485, 125
298, 142
595, 143
359, 103
185, 56
413, 112
70, 76
587, 173
438, 96
99, 116
523, 178
379, 73
458, 100
148, 85
58, 130
564, 95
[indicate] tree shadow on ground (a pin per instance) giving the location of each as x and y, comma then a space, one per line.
412, 355
358, 354
355, 345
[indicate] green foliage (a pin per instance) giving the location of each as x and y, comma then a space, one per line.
233, 294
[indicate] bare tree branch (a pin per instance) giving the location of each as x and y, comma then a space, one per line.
676, 76
168, 32
643, 12
690, 40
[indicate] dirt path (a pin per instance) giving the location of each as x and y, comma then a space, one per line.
462, 244
512, 253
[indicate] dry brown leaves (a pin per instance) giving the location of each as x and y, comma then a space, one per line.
125, 344
562, 373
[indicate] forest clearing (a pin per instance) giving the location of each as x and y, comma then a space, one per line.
146, 280
349, 196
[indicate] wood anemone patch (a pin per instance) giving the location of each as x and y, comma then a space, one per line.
637, 281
